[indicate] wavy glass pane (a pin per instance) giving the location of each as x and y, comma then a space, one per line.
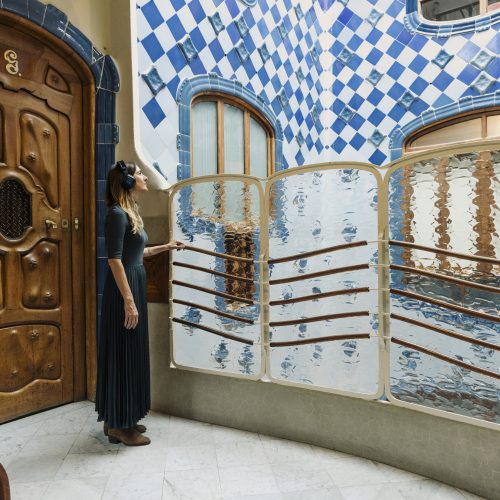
220, 217
449, 203
234, 162
311, 212
205, 138
258, 149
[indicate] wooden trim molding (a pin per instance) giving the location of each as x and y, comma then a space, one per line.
157, 276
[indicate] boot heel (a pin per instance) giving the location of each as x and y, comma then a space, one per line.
113, 440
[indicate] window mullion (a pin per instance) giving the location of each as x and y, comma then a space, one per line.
220, 137
246, 142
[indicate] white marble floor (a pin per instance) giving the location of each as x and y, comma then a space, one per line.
62, 454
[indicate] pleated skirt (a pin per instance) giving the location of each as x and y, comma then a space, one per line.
123, 392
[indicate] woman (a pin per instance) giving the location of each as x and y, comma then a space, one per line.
123, 387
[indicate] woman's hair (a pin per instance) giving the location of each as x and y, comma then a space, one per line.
116, 194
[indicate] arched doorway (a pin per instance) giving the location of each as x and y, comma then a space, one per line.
47, 227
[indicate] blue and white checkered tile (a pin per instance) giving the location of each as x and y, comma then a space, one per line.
340, 75
414, 73
262, 47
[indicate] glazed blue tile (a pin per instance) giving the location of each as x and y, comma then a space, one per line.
242, 51
110, 79
374, 76
196, 8
482, 83
298, 11
216, 22
377, 158
152, 14
468, 51
407, 99
283, 31
442, 58
188, 49
376, 117
154, 113
153, 47
346, 114
395, 70
345, 55
176, 28
153, 80
442, 81
78, 41
345, 15
36, 11
482, 59
374, 17
16, 6
468, 75
242, 26
198, 39
339, 145
54, 21
300, 139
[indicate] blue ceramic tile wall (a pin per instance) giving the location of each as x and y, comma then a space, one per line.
372, 70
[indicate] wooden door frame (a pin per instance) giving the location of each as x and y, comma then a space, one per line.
84, 319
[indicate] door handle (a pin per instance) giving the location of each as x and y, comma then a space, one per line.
77, 224
50, 224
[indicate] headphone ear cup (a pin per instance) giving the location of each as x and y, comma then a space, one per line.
128, 181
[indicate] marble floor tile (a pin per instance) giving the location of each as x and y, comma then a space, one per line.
57, 444
240, 453
93, 442
190, 457
199, 484
185, 435
428, 489
33, 468
85, 488
301, 476
281, 450
139, 460
354, 471
28, 491
87, 465
332, 493
224, 435
134, 487
381, 491
247, 480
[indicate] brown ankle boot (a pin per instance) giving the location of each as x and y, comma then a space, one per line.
138, 427
129, 437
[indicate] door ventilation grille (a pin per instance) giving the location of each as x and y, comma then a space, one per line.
15, 209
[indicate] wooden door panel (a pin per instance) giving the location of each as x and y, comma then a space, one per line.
41, 276
40, 125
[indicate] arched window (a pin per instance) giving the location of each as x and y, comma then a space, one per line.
451, 10
459, 130
229, 136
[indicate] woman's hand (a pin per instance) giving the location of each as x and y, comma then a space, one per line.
131, 314
175, 245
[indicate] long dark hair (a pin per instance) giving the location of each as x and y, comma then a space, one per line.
116, 194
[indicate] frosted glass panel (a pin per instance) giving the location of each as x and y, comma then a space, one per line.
493, 122
204, 138
219, 293
324, 304
446, 303
258, 150
463, 131
233, 140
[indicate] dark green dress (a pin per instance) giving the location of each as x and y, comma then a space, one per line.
123, 394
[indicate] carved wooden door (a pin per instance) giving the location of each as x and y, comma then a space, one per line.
40, 144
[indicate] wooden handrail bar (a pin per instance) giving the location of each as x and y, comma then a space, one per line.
447, 305
314, 296
211, 330
313, 319
476, 258
443, 357
458, 281
318, 274
214, 311
317, 340
444, 331
213, 292
212, 271
217, 254
317, 252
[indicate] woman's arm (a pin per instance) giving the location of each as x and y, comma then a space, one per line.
171, 245
131, 313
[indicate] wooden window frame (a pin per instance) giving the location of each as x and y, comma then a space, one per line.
248, 112
483, 9
407, 148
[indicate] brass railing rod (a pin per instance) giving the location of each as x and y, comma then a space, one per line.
313, 319
211, 330
447, 305
317, 340
333, 293
476, 258
443, 357
444, 331
214, 311
212, 271
458, 281
317, 252
319, 274
217, 254
213, 292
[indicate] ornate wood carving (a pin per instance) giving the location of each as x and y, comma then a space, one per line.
56, 81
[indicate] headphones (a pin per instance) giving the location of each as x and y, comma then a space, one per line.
128, 181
